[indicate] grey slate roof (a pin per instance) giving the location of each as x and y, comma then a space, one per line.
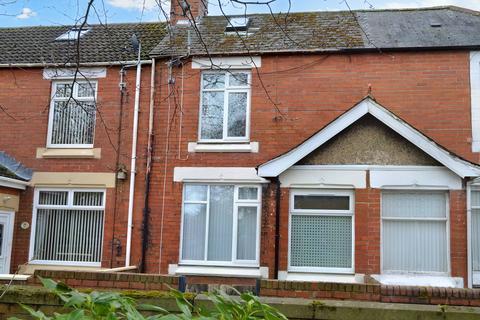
329, 31
110, 43
434, 27
11, 168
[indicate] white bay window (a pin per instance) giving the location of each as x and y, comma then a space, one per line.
72, 114
321, 231
220, 225
225, 106
414, 231
67, 226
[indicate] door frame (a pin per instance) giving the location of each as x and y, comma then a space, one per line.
8, 236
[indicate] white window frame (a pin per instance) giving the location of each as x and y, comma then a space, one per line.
236, 203
226, 90
53, 99
447, 228
317, 212
475, 98
68, 206
472, 276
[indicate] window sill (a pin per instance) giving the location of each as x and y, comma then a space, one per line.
321, 277
243, 272
251, 147
52, 153
419, 280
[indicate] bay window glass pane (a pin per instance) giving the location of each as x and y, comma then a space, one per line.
247, 233
237, 114
220, 231
475, 198
414, 246
194, 222
321, 202
321, 241
53, 198
476, 239
212, 115
213, 81
196, 192
414, 204
238, 79
88, 199
247, 193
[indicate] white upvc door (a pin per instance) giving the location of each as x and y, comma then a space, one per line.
6, 236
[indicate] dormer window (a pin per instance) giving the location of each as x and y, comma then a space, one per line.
237, 24
73, 34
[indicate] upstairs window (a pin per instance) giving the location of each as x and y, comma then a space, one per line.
72, 115
225, 106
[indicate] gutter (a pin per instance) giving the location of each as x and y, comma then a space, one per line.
326, 50
133, 162
86, 64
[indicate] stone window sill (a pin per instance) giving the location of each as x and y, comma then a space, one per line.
52, 153
249, 147
242, 272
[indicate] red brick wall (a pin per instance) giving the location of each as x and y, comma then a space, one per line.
367, 231
430, 90
25, 98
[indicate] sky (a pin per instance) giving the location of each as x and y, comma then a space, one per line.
17, 13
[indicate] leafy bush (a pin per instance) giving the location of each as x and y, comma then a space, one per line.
101, 305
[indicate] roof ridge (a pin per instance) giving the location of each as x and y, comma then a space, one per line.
449, 7
89, 25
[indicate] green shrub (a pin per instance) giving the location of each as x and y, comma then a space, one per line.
115, 306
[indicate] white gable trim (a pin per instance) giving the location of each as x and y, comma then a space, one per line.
278, 165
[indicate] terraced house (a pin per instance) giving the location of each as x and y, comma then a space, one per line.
318, 146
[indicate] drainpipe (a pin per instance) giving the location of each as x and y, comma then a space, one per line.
277, 225
133, 162
146, 208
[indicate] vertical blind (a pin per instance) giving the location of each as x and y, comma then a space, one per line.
73, 120
220, 223
414, 231
69, 226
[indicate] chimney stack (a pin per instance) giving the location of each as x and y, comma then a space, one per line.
182, 11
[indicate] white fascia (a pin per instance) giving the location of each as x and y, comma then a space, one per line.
278, 165
222, 63
13, 183
217, 174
